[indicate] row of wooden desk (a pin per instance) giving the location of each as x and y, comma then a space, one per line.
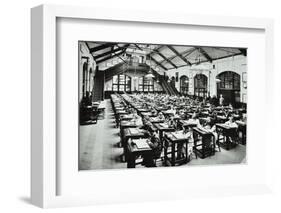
204, 144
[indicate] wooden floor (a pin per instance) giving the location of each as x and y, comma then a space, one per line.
99, 147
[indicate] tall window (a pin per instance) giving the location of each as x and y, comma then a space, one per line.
184, 85
229, 86
121, 83
85, 79
200, 85
146, 84
229, 80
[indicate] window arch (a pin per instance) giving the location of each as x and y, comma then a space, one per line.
84, 79
184, 85
200, 85
229, 80
229, 87
121, 83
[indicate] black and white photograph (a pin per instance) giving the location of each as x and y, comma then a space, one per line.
161, 105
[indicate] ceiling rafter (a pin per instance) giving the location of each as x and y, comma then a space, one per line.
205, 54
178, 54
110, 52
166, 59
156, 62
111, 56
243, 51
101, 47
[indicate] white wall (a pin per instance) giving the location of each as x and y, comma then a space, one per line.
237, 64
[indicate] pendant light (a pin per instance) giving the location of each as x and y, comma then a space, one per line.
149, 74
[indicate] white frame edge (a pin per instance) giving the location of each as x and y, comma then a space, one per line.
43, 82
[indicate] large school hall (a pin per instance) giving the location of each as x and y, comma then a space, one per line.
161, 105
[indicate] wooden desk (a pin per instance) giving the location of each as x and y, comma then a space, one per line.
143, 114
163, 127
120, 113
187, 123
125, 125
221, 118
128, 134
167, 113
140, 110
204, 120
134, 151
155, 120
227, 132
207, 146
171, 140
242, 127
126, 117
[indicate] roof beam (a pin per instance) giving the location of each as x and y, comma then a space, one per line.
110, 52
111, 56
243, 51
137, 46
179, 55
166, 59
101, 47
206, 55
159, 64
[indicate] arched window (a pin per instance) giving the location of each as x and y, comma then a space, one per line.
121, 83
184, 84
229, 80
84, 79
200, 85
146, 84
229, 87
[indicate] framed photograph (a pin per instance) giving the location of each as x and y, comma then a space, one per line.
161, 111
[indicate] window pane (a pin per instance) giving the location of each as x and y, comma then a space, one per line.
115, 87
115, 79
121, 87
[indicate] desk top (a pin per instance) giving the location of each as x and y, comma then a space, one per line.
143, 110
127, 123
139, 145
155, 120
177, 136
188, 123
163, 127
241, 123
133, 132
225, 126
202, 131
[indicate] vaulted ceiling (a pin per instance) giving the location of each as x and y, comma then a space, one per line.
160, 57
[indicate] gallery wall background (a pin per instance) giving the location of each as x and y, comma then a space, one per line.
15, 103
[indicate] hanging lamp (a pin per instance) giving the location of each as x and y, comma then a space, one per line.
150, 74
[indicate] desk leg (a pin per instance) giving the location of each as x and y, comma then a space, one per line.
227, 142
131, 161
203, 147
165, 153
173, 154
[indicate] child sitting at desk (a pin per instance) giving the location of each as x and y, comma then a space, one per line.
211, 127
161, 116
181, 147
231, 122
137, 119
147, 125
194, 119
155, 145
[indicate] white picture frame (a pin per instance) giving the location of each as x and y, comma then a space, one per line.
44, 167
